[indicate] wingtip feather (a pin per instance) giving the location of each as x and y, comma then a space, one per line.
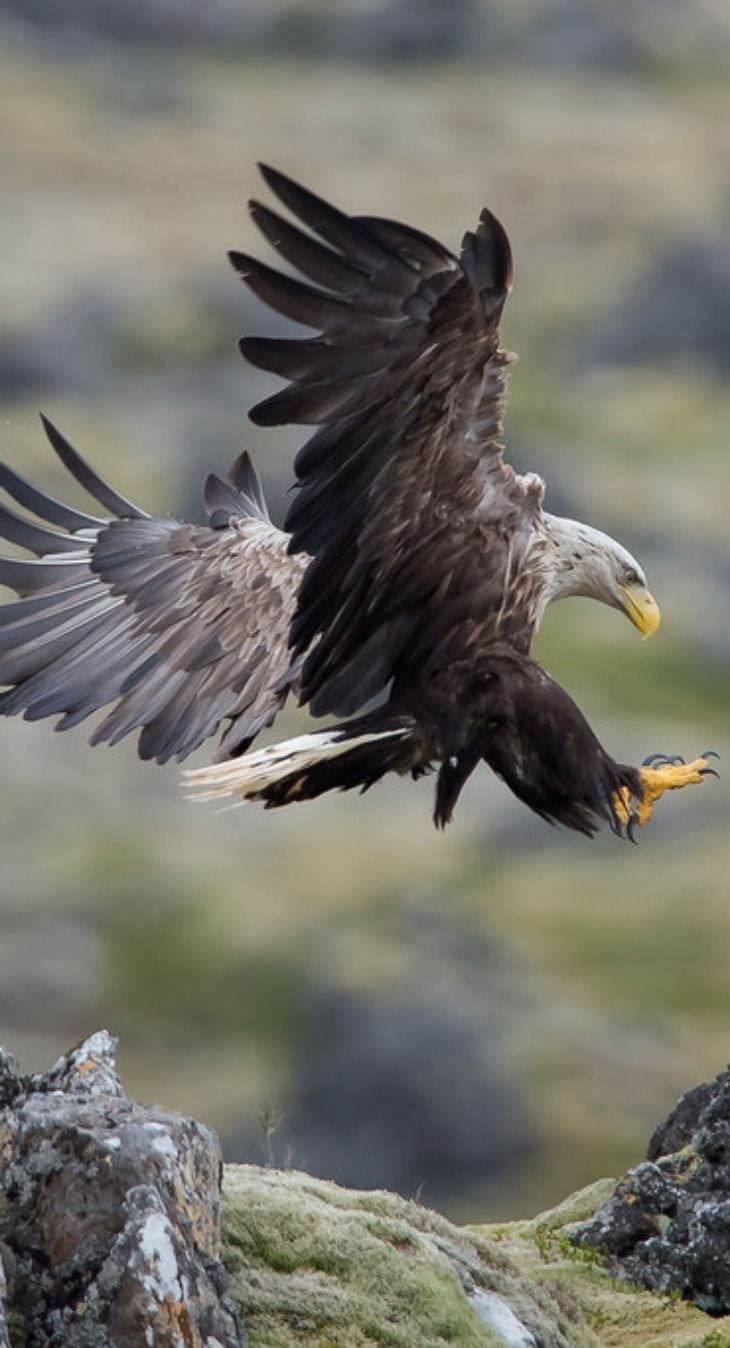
241, 262
86, 476
274, 178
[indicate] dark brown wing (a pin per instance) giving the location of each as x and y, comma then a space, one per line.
182, 626
414, 522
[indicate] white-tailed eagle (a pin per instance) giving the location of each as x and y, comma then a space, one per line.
415, 564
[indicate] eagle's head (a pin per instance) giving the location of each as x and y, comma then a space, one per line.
590, 563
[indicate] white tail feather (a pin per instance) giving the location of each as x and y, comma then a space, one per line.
253, 772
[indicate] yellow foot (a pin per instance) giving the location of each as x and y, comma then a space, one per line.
658, 774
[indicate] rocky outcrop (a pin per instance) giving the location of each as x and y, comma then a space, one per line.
111, 1237
556, 34
111, 1230
667, 1223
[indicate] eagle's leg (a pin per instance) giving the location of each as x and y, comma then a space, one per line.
658, 774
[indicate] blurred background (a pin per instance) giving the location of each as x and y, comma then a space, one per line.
492, 1017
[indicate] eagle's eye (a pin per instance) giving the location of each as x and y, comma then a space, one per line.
631, 577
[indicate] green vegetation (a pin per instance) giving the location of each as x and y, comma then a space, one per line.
314, 1264
317, 1265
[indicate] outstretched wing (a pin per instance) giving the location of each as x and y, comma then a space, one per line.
412, 518
182, 626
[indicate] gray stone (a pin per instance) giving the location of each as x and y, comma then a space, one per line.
667, 1224
112, 1213
499, 1316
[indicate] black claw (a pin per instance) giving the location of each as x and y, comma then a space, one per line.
710, 753
708, 772
662, 760
631, 827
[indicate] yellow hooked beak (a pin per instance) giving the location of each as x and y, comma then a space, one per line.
641, 607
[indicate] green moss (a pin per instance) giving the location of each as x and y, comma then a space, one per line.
315, 1264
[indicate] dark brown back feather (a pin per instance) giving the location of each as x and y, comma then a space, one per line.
404, 500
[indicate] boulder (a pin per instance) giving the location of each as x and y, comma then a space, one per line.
111, 1228
666, 1224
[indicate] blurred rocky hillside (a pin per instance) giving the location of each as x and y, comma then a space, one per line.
553, 34
501, 1009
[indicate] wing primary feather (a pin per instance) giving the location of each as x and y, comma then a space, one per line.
88, 479
314, 404
29, 626
486, 258
26, 660
340, 230
44, 506
421, 250
27, 534
302, 303
27, 577
310, 360
311, 258
16, 611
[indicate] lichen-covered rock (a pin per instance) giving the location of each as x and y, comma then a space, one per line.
616, 1312
313, 1263
112, 1213
667, 1223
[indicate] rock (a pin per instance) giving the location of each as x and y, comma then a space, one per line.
677, 1129
666, 1225
110, 1238
112, 1217
616, 1314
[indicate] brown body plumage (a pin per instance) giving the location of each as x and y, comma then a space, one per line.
415, 563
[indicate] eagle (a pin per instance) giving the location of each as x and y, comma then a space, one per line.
403, 594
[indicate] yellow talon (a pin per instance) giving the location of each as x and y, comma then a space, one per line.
654, 782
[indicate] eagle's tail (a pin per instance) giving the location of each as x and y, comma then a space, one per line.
338, 759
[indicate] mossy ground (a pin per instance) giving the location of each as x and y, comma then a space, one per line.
619, 1314
312, 1263
317, 1265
